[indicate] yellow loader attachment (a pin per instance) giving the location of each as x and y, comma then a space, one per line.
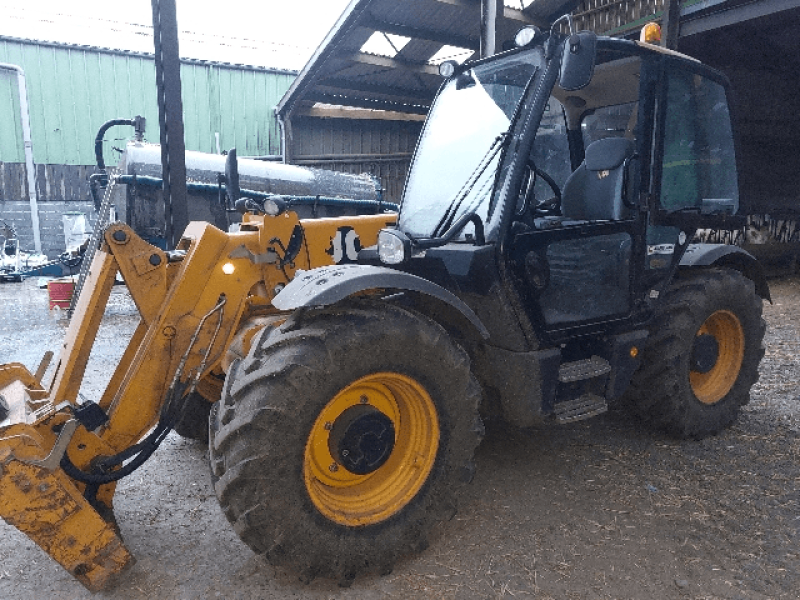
60, 457
39, 499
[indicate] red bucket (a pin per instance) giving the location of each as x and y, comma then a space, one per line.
60, 292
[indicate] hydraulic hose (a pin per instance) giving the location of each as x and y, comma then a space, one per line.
98, 139
145, 450
100, 179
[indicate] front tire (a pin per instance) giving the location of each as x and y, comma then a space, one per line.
342, 440
702, 355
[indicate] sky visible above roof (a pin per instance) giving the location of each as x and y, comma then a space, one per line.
277, 34
269, 33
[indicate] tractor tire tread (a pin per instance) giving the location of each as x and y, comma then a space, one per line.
660, 391
259, 432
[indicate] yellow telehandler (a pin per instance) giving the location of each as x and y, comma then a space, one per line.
542, 268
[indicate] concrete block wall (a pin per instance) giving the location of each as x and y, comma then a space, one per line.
18, 214
60, 189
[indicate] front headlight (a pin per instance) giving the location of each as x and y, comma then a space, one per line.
525, 36
393, 246
274, 206
448, 68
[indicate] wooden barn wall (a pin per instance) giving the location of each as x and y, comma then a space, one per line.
380, 148
615, 16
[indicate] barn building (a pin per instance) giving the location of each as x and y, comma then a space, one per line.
72, 90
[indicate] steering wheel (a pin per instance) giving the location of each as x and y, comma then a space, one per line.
540, 209
548, 207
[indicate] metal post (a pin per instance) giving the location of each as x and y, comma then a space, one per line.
286, 138
170, 118
30, 167
671, 24
491, 11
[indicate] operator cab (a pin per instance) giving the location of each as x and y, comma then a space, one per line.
590, 181
620, 174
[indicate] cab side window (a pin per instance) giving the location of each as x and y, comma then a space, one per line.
610, 121
699, 165
551, 149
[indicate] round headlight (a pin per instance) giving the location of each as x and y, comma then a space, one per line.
393, 246
274, 206
525, 36
447, 68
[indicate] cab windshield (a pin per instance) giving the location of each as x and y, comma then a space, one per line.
458, 153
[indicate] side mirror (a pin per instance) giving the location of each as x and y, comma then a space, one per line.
577, 62
232, 177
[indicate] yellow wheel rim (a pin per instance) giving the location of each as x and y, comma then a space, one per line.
713, 386
353, 499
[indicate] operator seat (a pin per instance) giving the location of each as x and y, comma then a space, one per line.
593, 192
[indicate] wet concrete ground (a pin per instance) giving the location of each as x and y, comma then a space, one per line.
598, 509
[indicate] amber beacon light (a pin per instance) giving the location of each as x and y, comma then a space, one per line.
650, 34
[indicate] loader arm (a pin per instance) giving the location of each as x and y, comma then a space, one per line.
60, 457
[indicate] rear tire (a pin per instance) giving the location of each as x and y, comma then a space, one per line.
702, 355
304, 461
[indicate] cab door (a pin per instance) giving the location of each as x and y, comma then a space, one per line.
577, 267
695, 180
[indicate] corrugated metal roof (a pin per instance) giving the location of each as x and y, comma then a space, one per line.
118, 52
74, 89
341, 73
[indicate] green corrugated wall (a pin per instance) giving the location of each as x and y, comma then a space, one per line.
11, 149
73, 90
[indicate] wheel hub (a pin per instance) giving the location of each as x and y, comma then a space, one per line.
362, 439
371, 449
717, 355
705, 353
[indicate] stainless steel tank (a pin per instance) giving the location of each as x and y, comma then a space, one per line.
318, 192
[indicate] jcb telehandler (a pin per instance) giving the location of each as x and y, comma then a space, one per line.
541, 267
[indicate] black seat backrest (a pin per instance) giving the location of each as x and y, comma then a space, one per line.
594, 190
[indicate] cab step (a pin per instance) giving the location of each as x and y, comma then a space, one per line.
583, 369
583, 407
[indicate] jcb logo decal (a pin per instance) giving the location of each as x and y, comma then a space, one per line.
344, 245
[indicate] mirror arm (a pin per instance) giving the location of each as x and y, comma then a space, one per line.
455, 229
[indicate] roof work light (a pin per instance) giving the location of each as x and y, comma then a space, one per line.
650, 34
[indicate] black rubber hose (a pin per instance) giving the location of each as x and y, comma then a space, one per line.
95, 180
140, 452
148, 446
98, 140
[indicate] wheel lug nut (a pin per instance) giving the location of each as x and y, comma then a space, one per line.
333, 468
364, 399
328, 426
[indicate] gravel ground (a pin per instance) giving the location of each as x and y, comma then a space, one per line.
597, 509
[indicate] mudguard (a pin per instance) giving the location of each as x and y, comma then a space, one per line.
725, 255
327, 285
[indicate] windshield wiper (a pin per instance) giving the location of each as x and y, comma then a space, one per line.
446, 222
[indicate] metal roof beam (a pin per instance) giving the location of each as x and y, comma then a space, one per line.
325, 111
734, 15
392, 63
338, 100
401, 94
512, 14
420, 33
